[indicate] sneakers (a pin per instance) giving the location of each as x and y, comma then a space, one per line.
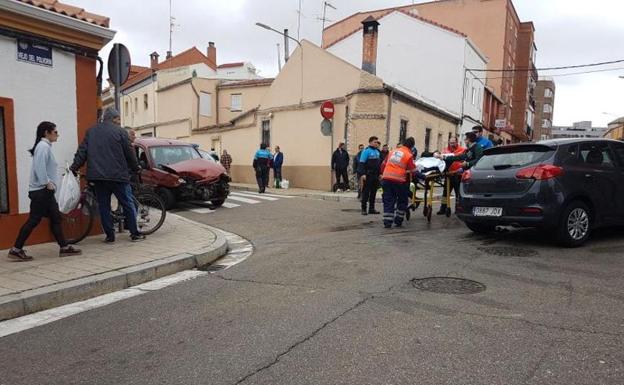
364, 212
137, 237
18, 255
109, 240
69, 251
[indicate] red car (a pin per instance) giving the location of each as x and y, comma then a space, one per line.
179, 173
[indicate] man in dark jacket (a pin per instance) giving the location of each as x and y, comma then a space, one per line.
340, 165
369, 167
110, 160
278, 161
356, 162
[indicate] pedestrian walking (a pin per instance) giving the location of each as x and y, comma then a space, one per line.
453, 174
395, 182
110, 162
340, 165
368, 166
356, 162
262, 164
43, 184
226, 161
278, 161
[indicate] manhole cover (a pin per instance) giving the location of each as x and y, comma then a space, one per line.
448, 285
508, 251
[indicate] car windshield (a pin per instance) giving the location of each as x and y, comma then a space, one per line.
206, 155
166, 155
513, 157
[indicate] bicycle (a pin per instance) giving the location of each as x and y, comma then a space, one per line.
151, 213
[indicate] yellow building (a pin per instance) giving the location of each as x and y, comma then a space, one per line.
615, 130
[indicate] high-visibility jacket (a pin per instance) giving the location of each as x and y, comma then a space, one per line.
397, 165
455, 166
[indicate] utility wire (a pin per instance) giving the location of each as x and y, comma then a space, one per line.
553, 75
549, 68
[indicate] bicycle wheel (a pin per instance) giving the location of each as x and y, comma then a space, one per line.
151, 212
77, 223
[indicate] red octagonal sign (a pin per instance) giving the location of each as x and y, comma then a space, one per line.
327, 110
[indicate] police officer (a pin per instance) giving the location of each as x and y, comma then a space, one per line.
262, 164
395, 182
368, 167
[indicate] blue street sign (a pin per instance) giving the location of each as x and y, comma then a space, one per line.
34, 53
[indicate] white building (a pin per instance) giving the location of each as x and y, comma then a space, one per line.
583, 129
426, 60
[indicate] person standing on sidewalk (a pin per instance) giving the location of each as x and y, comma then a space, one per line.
41, 188
226, 161
340, 165
356, 162
395, 182
484, 142
278, 161
262, 164
454, 177
368, 167
110, 160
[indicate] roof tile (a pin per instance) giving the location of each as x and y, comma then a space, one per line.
69, 10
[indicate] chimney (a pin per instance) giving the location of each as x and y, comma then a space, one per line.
212, 52
169, 55
154, 60
369, 49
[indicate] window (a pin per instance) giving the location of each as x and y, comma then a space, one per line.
548, 108
205, 104
136, 105
546, 123
474, 96
427, 139
440, 145
4, 168
597, 155
619, 150
164, 155
548, 93
145, 104
266, 132
126, 108
403, 131
236, 102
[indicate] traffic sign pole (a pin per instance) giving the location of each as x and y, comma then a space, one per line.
117, 76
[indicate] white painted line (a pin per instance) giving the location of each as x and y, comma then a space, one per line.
244, 200
202, 211
228, 205
263, 197
268, 195
30, 321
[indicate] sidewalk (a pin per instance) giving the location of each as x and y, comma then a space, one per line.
49, 281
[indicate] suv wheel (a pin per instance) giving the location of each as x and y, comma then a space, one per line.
480, 228
168, 198
218, 202
575, 226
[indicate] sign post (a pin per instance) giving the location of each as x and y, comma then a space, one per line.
119, 68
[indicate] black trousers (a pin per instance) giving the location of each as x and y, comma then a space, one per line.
262, 177
369, 192
42, 204
455, 182
342, 174
277, 175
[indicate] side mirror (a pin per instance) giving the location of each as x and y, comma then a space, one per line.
144, 165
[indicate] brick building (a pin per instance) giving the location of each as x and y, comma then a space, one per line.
544, 109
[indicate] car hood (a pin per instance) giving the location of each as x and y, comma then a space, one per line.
196, 169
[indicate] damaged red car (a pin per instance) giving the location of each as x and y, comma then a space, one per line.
179, 173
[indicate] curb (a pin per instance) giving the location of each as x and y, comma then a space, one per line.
34, 300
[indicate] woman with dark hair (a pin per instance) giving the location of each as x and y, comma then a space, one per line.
43, 184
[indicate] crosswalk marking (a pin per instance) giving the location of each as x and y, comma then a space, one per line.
244, 195
228, 205
202, 211
244, 200
268, 195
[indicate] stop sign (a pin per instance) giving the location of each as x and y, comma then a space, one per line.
327, 110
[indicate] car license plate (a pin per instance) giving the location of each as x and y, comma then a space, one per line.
487, 211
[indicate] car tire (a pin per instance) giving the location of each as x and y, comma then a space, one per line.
481, 228
218, 202
575, 225
168, 198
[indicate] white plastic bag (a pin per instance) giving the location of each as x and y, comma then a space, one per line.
69, 193
285, 184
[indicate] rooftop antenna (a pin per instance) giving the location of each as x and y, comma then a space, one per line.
299, 20
324, 18
171, 26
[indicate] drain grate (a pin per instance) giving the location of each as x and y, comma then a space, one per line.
508, 251
448, 285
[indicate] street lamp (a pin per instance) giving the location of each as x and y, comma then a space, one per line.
261, 25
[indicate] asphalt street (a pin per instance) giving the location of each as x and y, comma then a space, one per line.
330, 297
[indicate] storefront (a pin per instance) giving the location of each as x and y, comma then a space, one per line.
48, 70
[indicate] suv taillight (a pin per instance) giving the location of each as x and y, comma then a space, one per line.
540, 172
466, 176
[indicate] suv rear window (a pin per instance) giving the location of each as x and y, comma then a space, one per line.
513, 157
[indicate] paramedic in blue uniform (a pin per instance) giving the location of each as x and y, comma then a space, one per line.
369, 168
262, 165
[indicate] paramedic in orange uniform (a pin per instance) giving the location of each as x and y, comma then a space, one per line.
455, 177
395, 183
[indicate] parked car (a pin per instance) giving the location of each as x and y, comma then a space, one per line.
567, 187
180, 173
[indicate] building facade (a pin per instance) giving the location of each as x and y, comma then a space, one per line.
615, 130
525, 81
583, 129
544, 108
493, 25
54, 49
425, 60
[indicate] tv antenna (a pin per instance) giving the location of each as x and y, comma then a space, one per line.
172, 25
324, 18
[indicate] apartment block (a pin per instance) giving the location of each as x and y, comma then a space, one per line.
544, 108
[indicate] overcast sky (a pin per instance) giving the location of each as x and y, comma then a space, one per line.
567, 32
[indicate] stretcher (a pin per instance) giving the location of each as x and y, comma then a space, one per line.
430, 173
